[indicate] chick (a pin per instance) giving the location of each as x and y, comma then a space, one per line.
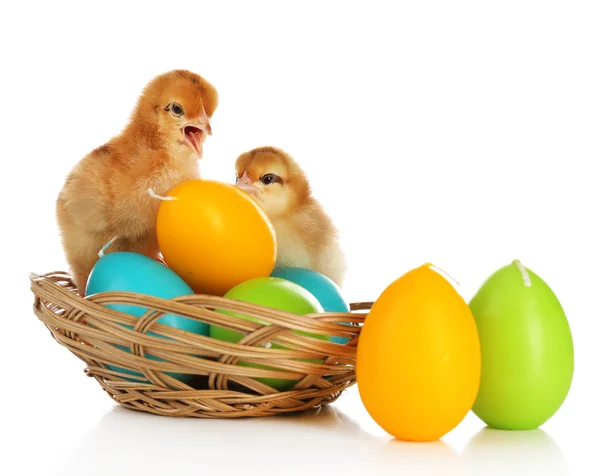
306, 236
106, 195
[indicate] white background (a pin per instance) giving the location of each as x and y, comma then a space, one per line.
460, 133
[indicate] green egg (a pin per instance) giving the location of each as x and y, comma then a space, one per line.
275, 293
527, 357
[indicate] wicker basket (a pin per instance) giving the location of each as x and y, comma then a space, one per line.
218, 387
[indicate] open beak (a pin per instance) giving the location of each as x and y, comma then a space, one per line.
246, 185
195, 133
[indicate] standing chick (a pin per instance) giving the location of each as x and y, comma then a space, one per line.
306, 236
106, 195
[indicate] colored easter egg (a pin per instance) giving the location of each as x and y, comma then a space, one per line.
323, 288
274, 293
418, 359
136, 273
526, 349
215, 236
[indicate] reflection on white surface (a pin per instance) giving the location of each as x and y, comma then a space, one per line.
136, 442
318, 442
396, 457
496, 452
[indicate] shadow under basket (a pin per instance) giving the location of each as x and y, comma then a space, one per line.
147, 366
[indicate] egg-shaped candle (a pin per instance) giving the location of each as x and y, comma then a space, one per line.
526, 349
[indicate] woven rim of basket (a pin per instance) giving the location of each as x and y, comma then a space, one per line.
92, 332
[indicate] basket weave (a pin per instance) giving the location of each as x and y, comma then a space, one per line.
219, 388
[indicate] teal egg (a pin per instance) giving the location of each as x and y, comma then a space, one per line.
326, 291
136, 273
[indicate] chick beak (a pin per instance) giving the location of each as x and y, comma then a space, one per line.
195, 132
246, 185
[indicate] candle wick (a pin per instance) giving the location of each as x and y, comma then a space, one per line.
448, 276
524, 273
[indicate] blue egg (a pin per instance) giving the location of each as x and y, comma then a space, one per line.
136, 273
320, 286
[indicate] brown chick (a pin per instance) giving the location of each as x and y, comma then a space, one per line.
306, 236
106, 195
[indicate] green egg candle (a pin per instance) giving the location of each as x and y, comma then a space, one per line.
527, 358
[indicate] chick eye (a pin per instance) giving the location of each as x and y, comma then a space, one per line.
175, 108
269, 178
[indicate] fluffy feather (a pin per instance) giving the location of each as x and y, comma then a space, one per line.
106, 193
306, 236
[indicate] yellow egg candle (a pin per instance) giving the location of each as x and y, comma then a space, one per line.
418, 358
